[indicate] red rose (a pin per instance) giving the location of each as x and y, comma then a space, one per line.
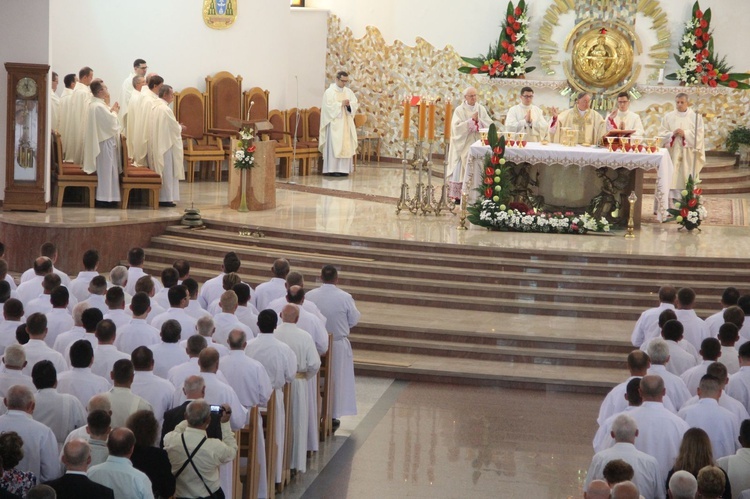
733, 84
704, 79
251, 149
698, 191
712, 73
699, 58
518, 11
699, 44
698, 14
488, 192
509, 31
699, 69
489, 171
511, 20
504, 44
493, 71
724, 77
474, 71
698, 32
712, 83
516, 26
513, 37
706, 36
704, 24
692, 203
684, 212
511, 49
705, 53
709, 66
488, 181
484, 68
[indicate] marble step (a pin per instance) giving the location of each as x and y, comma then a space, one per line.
709, 179
714, 189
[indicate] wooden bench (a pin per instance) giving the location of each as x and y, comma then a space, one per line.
138, 177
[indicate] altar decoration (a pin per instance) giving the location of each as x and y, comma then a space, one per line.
699, 63
688, 210
244, 159
508, 57
494, 209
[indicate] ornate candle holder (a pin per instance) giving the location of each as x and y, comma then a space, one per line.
429, 204
631, 225
444, 203
419, 163
403, 202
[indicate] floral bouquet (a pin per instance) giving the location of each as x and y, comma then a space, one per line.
508, 58
688, 210
699, 65
244, 156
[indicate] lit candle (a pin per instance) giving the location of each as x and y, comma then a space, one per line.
448, 118
422, 116
431, 122
661, 75
407, 117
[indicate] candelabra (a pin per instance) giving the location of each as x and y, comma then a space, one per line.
429, 205
403, 202
444, 203
631, 225
417, 202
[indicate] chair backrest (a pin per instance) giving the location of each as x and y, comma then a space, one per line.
360, 120
225, 99
56, 153
190, 110
278, 121
259, 97
294, 125
313, 123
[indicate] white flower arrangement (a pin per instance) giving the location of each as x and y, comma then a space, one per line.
503, 218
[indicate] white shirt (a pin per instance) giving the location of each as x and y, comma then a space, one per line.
268, 291
90, 337
162, 298
29, 274
10, 377
105, 357
676, 388
308, 360
30, 289
535, 131
211, 290
695, 328
714, 322
118, 474
37, 350
720, 424
647, 326
647, 476
225, 323
195, 310
738, 470
82, 384
248, 377
135, 273
276, 356
338, 308
223, 351
307, 306
124, 403
166, 356
739, 385
119, 316
315, 328
8, 333
659, 434
218, 392
727, 402
154, 390
692, 377
61, 412
137, 333
730, 358
67, 338
186, 322
39, 445
59, 320
79, 287
248, 315
615, 402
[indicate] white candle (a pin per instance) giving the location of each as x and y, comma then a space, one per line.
661, 75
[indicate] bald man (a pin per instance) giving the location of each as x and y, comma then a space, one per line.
598, 489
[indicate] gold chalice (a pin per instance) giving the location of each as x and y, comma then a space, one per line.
519, 139
636, 143
625, 144
510, 139
610, 141
572, 136
653, 143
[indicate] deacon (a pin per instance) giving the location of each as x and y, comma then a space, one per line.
467, 119
100, 151
139, 119
55, 103
588, 123
165, 147
139, 69
622, 119
684, 140
338, 135
527, 118
76, 110
129, 130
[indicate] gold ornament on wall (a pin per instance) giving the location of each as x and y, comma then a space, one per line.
219, 14
602, 57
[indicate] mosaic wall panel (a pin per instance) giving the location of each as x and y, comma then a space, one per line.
382, 74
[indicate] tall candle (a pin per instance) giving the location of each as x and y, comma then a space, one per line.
448, 118
661, 75
407, 118
422, 116
431, 122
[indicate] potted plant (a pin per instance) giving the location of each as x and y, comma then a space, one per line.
738, 140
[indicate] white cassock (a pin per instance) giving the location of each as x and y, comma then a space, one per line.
647, 478
125, 93
674, 385
165, 150
75, 111
341, 313
129, 131
721, 425
308, 363
100, 151
54, 107
626, 121
66, 93
682, 149
659, 433
464, 132
615, 402
739, 385
695, 328
338, 135
647, 326
139, 122
281, 367
61, 412
589, 124
536, 131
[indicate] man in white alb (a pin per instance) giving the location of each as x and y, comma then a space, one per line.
682, 131
588, 124
527, 118
139, 119
165, 147
100, 153
129, 130
467, 119
54, 101
75, 111
139, 69
338, 135
623, 119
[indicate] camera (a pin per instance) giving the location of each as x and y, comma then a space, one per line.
217, 409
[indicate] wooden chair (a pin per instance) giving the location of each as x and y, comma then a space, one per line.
138, 177
199, 144
359, 123
247, 443
312, 136
259, 98
269, 432
287, 450
224, 99
297, 127
70, 174
326, 391
283, 145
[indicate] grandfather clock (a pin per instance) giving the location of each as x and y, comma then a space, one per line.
26, 137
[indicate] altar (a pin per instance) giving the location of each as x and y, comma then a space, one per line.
554, 177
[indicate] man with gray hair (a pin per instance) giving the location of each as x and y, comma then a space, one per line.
14, 361
658, 351
206, 327
682, 485
588, 124
118, 277
39, 443
195, 458
626, 490
647, 472
659, 431
165, 147
227, 320
598, 489
682, 134
74, 483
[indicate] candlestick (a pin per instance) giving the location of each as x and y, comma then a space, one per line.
431, 122
422, 118
448, 118
661, 76
407, 118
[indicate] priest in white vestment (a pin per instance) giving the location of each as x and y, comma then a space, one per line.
684, 140
138, 83
100, 151
139, 69
75, 112
54, 101
467, 119
70, 81
139, 119
527, 118
338, 135
165, 147
308, 363
623, 119
588, 123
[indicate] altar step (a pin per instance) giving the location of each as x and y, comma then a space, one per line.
721, 175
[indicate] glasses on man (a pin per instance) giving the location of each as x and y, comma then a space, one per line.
344, 81
527, 96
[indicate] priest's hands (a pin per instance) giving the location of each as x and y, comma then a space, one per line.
475, 116
679, 133
115, 108
554, 112
345, 102
613, 114
528, 117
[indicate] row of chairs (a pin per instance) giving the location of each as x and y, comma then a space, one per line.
302, 124
72, 175
247, 438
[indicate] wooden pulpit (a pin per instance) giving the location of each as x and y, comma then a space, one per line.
261, 180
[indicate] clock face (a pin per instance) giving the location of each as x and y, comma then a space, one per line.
26, 87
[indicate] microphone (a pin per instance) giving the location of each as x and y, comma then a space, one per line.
252, 103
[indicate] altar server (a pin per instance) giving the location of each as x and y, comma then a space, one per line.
682, 132
623, 119
467, 119
165, 147
527, 118
588, 123
338, 135
100, 151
